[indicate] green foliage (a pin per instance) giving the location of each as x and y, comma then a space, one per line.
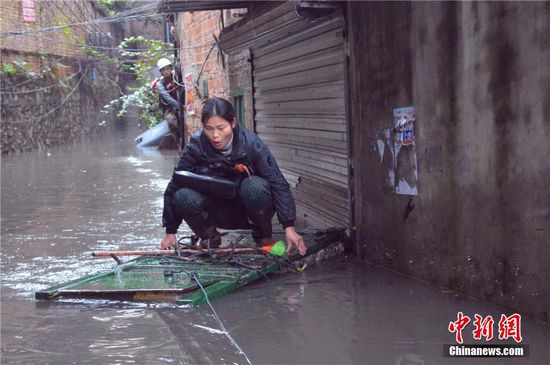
102, 56
144, 99
23, 68
9, 69
19, 67
113, 6
67, 31
108, 6
143, 54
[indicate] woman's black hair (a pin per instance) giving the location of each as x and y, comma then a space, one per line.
217, 107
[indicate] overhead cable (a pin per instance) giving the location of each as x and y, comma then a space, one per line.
104, 20
67, 96
39, 89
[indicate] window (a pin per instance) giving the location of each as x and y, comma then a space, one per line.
238, 104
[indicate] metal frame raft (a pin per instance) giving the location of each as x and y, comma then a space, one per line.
175, 275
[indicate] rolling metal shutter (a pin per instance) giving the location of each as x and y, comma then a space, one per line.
299, 105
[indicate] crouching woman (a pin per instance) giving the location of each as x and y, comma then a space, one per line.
222, 148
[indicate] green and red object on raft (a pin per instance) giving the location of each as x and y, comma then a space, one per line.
175, 275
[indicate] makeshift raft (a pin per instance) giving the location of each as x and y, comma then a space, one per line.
190, 275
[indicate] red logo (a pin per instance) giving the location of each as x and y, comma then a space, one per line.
484, 327
508, 327
459, 325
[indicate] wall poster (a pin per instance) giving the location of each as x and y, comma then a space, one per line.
404, 151
189, 94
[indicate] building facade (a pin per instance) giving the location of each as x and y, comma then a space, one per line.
420, 127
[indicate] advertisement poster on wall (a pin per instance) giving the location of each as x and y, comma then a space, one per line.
404, 152
189, 95
403, 119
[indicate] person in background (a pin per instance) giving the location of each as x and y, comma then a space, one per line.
223, 148
167, 89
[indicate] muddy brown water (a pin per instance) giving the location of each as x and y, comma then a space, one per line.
60, 204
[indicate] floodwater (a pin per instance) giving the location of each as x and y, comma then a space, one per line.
104, 194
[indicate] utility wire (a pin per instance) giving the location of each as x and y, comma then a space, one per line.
42, 88
21, 83
66, 97
118, 47
225, 331
95, 21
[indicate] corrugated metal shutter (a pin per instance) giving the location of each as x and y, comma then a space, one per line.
299, 100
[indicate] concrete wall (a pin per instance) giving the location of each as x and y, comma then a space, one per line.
479, 75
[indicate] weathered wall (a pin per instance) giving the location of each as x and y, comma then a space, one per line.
195, 33
479, 75
48, 14
64, 102
240, 84
43, 113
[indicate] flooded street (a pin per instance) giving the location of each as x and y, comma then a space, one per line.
104, 194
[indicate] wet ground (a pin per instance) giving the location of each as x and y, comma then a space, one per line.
59, 205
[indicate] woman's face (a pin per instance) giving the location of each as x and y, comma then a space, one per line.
218, 131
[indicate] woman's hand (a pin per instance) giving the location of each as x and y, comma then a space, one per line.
294, 239
169, 241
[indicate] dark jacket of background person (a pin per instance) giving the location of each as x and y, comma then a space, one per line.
200, 157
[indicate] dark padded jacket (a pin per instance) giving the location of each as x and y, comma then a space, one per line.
248, 149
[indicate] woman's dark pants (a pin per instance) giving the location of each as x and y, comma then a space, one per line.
252, 208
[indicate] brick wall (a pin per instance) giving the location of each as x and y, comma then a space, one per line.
195, 31
28, 47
